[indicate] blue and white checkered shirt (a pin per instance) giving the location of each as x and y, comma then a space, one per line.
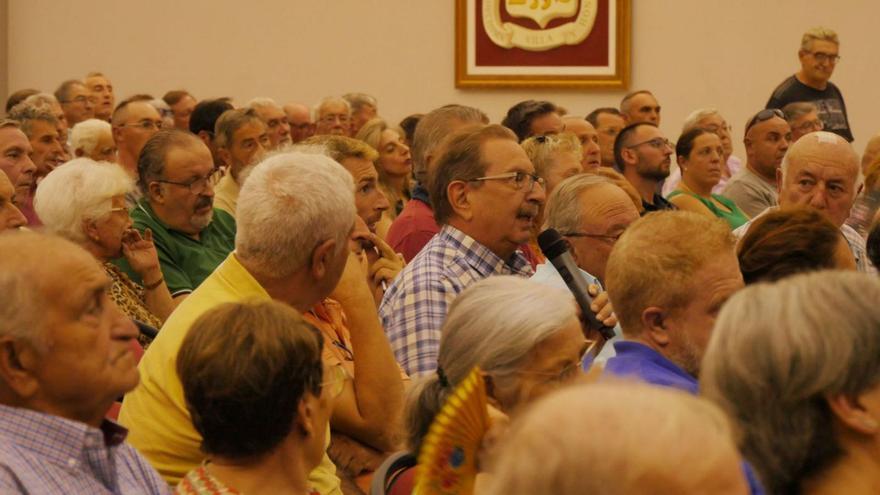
48, 454
415, 305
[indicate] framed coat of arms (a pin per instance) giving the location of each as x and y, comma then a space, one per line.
542, 43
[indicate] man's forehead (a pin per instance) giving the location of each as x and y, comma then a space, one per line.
97, 81
333, 108
41, 127
606, 118
359, 168
648, 132
824, 163
775, 124
250, 129
190, 157
140, 110
643, 99
11, 137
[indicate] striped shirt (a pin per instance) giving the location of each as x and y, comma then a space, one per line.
48, 454
415, 304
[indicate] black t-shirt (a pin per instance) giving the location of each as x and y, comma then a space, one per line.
832, 109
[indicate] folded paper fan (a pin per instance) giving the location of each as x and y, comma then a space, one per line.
448, 459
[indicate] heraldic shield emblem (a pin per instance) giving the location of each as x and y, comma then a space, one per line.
542, 12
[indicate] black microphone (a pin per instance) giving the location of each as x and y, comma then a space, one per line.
556, 251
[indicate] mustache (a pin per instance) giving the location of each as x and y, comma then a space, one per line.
204, 201
528, 211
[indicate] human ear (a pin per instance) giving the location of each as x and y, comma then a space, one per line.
852, 412
90, 229
458, 194
321, 258
17, 362
654, 325
305, 412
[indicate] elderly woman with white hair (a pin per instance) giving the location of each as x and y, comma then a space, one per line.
526, 338
796, 365
93, 138
709, 119
621, 438
84, 201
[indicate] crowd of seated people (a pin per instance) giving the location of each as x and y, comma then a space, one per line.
213, 297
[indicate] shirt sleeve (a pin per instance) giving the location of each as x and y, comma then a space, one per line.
412, 318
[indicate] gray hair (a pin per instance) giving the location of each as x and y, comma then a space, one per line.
818, 33
262, 102
594, 438
493, 324
63, 92
693, 120
78, 191
328, 100
542, 150
798, 341
824, 137
231, 121
26, 113
85, 134
289, 204
360, 100
564, 212
44, 98
798, 109
434, 127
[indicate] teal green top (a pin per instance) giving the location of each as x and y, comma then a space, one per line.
185, 262
735, 217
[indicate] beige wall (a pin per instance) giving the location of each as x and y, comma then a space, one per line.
691, 53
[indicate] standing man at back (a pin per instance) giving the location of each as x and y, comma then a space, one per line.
818, 56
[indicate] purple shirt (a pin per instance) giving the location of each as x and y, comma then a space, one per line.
632, 359
48, 454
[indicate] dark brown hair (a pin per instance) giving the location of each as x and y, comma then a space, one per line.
786, 242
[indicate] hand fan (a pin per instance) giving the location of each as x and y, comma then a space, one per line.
448, 459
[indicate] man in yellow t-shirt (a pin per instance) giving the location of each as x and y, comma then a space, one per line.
296, 258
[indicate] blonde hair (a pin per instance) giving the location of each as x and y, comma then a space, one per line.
818, 33
371, 134
595, 438
654, 261
542, 150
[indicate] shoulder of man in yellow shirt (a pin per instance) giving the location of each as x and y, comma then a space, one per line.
155, 413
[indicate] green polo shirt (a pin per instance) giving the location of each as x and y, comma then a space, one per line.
185, 261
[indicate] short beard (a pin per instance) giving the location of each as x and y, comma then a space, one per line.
200, 222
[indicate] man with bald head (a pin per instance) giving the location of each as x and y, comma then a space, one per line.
134, 122
591, 213
66, 358
821, 171
300, 119
767, 138
640, 106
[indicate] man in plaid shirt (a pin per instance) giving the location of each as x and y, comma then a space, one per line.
486, 197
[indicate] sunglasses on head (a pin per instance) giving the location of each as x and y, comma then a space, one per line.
764, 115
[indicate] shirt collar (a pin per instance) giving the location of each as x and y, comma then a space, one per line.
233, 274
56, 438
635, 351
421, 194
481, 258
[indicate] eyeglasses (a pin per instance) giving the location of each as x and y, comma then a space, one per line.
329, 119
714, 128
658, 143
147, 125
81, 99
568, 372
810, 126
199, 184
610, 239
764, 115
825, 57
334, 380
519, 180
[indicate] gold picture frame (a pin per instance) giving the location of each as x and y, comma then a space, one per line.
529, 44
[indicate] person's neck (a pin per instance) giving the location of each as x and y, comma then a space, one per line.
687, 185
501, 249
292, 290
856, 473
95, 251
397, 184
282, 471
159, 213
647, 188
771, 179
813, 83
93, 415
128, 163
